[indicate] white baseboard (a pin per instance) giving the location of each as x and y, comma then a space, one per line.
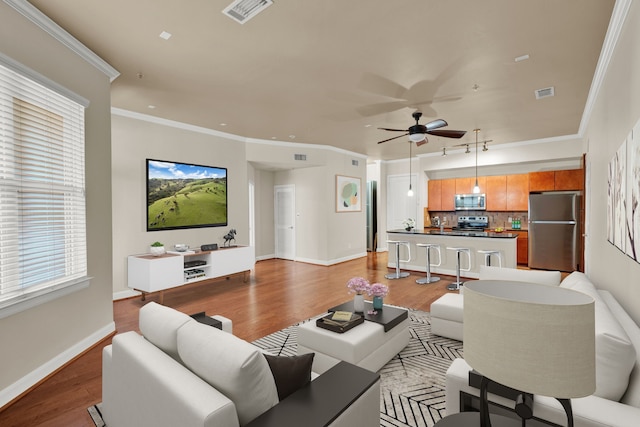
125, 294
333, 261
264, 257
43, 371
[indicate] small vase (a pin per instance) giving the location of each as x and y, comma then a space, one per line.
358, 303
377, 303
156, 250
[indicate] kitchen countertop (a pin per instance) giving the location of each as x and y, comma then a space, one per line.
432, 232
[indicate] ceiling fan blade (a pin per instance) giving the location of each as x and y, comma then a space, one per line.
395, 137
424, 141
393, 130
448, 133
438, 123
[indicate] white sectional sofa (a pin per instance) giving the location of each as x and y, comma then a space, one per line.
616, 401
446, 311
179, 372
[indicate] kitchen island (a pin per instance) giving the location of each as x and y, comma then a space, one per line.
505, 242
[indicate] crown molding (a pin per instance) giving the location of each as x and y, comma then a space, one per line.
616, 23
30, 12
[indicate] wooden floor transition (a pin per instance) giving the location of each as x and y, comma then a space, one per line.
278, 294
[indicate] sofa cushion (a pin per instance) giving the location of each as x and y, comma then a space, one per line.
615, 353
551, 278
160, 324
290, 372
233, 366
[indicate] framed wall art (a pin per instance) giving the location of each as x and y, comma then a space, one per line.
348, 194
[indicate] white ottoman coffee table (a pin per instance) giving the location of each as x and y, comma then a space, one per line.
369, 345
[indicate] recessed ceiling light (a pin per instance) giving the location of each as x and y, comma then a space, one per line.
522, 58
151, 106
223, 124
273, 137
292, 136
165, 35
367, 126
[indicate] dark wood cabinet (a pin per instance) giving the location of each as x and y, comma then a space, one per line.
522, 245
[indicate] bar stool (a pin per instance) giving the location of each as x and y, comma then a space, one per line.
430, 278
456, 285
487, 256
398, 274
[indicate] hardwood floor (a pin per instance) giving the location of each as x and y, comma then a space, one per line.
278, 294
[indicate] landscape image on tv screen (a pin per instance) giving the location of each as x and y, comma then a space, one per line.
181, 195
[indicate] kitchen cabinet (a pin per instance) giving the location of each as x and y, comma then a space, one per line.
523, 247
448, 194
542, 181
496, 191
465, 185
435, 195
572, 179
518, 192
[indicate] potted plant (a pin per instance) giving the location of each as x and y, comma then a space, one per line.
157, 249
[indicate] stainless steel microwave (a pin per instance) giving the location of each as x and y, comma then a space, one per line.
470, 202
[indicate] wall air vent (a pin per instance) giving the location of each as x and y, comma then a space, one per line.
545, 93
354, 162
243, 10
300, 157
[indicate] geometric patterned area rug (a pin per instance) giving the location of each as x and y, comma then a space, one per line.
412, 384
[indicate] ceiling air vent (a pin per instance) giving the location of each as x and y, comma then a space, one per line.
243, 10
354, 162
545, 93
300, 157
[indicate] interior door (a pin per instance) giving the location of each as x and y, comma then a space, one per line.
285, 217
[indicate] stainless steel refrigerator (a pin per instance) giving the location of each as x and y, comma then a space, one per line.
554, 230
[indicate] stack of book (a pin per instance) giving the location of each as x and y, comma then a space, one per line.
340, 321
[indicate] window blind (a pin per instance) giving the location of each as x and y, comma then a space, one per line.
42, 197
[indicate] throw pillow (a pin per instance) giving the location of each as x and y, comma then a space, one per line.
290, 372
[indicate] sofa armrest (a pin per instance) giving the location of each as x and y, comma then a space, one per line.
345, 395
145, 387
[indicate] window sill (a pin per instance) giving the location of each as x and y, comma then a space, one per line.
29, 300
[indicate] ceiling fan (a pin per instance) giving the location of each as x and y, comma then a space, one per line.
418, 133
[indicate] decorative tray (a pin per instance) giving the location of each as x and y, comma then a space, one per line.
339, 326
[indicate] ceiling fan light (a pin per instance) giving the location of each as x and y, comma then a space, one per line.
417, 137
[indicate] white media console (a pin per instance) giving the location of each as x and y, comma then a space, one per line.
148, 273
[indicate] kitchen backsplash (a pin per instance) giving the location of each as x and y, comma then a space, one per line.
496, 219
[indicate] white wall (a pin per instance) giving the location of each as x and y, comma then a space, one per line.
38, 341
136, 138
615, 112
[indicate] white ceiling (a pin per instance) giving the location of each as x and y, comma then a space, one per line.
332, 71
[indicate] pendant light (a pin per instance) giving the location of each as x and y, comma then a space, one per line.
476, 188
410, 192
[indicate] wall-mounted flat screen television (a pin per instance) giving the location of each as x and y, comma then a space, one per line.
185, 195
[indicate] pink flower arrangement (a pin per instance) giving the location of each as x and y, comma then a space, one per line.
358, 285
378, 290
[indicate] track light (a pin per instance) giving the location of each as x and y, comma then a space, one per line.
467, 151
444, 151
484, 146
